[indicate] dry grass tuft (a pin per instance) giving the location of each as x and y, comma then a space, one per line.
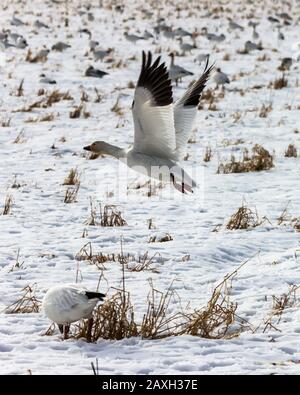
279, 83
18, 264
47, 118
20, 139
109, 216
163, 239
39, 57
210, 97
263, 58
84, 97
286, 218
30, 107
208, 155
131, 262
141, 263
7, 205
98, 259
72, 178
92, 221
158, 322
50, 331
291, 152
20, 89
5, 123
151, 224
27, 304
99, 97
71, 194
56, 96
116, 108
279, 305
15, 184
41, 92
265, 110
78, 111
244, 218
218, 319
296, 224
215, 320
260, 160
237, 116
113, 320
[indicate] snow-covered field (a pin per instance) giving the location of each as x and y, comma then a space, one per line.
37, 155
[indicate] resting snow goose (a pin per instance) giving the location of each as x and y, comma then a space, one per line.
220, 78
177, 72
161, 129
64, 304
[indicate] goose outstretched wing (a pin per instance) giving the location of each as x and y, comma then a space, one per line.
154, 131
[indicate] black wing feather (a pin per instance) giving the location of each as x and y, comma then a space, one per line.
193, 95
155, 78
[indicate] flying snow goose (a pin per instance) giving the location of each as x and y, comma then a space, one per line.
64, 304
161, 129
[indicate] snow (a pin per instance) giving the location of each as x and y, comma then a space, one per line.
49, 232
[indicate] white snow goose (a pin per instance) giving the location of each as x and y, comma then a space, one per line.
176, 73
64, 304
161, 129
220, 78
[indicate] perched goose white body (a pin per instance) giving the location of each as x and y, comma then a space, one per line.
220, 78
64, 304
161, 128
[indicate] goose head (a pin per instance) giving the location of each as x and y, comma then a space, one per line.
98, 147
103, 148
